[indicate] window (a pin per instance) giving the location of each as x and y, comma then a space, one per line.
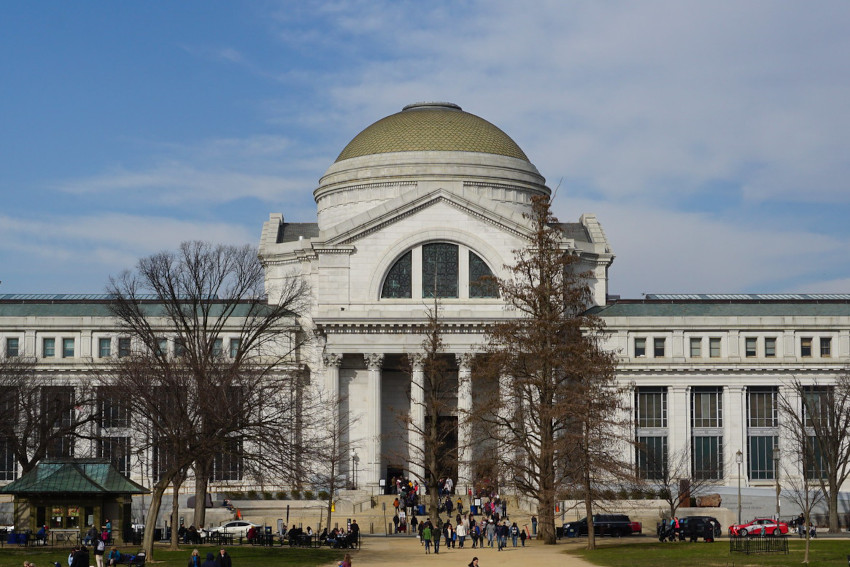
825, 347
8, 464
762, 407
640, 347
806, 347
761, 463
123, 347
696, 347
117, 450
104, 348
707, 459
658, 347
770, 347
440, 270
234, 347
651, 406
48, 348
714, 347
218, 347
161, 346
437, 267
57, 408
114, 412
227, 464
651, 457
179, 348
817, 403
67, 348
750, 347
12, 347
481, 280
706, 407
814, 459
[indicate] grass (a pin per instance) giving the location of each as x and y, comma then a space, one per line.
245, 556
822, 553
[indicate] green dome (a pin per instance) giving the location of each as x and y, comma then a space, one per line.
432, 126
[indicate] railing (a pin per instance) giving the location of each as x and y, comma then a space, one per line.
758, 544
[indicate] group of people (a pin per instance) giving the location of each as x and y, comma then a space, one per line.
191, 534
479, 533
799, 525
221, 560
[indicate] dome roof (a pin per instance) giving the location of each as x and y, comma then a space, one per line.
432, 126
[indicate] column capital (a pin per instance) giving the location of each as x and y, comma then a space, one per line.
332, 359
464, 360
417, 360
374, 360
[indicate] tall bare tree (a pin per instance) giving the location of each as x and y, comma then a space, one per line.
817, 419
41, 417
554, 417
199, 402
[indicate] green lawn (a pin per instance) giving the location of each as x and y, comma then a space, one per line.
245, 556
823, 552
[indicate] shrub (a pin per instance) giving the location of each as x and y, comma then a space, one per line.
324, 495
296, 494
308, 495
267, 495
252, 494
282, 495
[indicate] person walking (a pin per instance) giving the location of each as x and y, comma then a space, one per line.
490, 532
461, 534
223, 559
514, 533
210, 562
99, 549
426, 537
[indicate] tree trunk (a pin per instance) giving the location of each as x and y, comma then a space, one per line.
588, 510
546, 523
833, 509
202, 475
150, 519
175, 515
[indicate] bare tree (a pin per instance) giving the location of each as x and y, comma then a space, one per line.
41, 417
817, 419
800, 491
197, 401
557, 416
671, 475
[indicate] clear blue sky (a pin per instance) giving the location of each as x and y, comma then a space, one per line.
710, 138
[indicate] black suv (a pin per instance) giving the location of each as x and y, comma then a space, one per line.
694, 526
603, 524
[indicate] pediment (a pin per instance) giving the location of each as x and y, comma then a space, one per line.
413, 202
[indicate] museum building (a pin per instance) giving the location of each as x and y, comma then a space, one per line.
420, 205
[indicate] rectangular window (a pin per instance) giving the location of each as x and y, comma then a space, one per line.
123, 347
825, 347
12, 347
8, 464
750, 346
658, 348
57, 407
48, 348
696, 347
161, 346
227, 464
114, 412
707, 407
770, 347
234, 347
806, 347
817, 401
640, 347
651, 407
762, 407
707, 460
179, 348
104, 348
761, 465
218, 347
117, 451
815, 460
651, 457
714, 347
67, 348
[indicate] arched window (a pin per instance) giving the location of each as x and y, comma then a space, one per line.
398, 282
440, 269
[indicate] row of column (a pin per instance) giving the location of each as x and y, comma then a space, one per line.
371, 468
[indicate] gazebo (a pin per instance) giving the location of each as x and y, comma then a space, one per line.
74, 494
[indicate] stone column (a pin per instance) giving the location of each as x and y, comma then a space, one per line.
678, 420
373, 419
332, 363
464, 422
735, 432
415, 437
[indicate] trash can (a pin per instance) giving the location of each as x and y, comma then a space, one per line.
420, 509
473, 510
571, 532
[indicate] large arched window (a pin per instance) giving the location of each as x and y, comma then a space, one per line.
440, 269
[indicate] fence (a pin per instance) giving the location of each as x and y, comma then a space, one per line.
758, 544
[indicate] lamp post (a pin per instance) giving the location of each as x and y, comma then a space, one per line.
776, 474
739, 458
354, 460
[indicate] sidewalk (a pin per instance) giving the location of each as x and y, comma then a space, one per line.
391, 550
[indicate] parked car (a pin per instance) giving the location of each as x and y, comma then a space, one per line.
759, 526
617, 525
239, 528
694, 526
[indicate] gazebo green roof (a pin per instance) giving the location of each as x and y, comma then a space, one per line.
74, 476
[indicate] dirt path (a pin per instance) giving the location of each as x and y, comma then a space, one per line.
410, 553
